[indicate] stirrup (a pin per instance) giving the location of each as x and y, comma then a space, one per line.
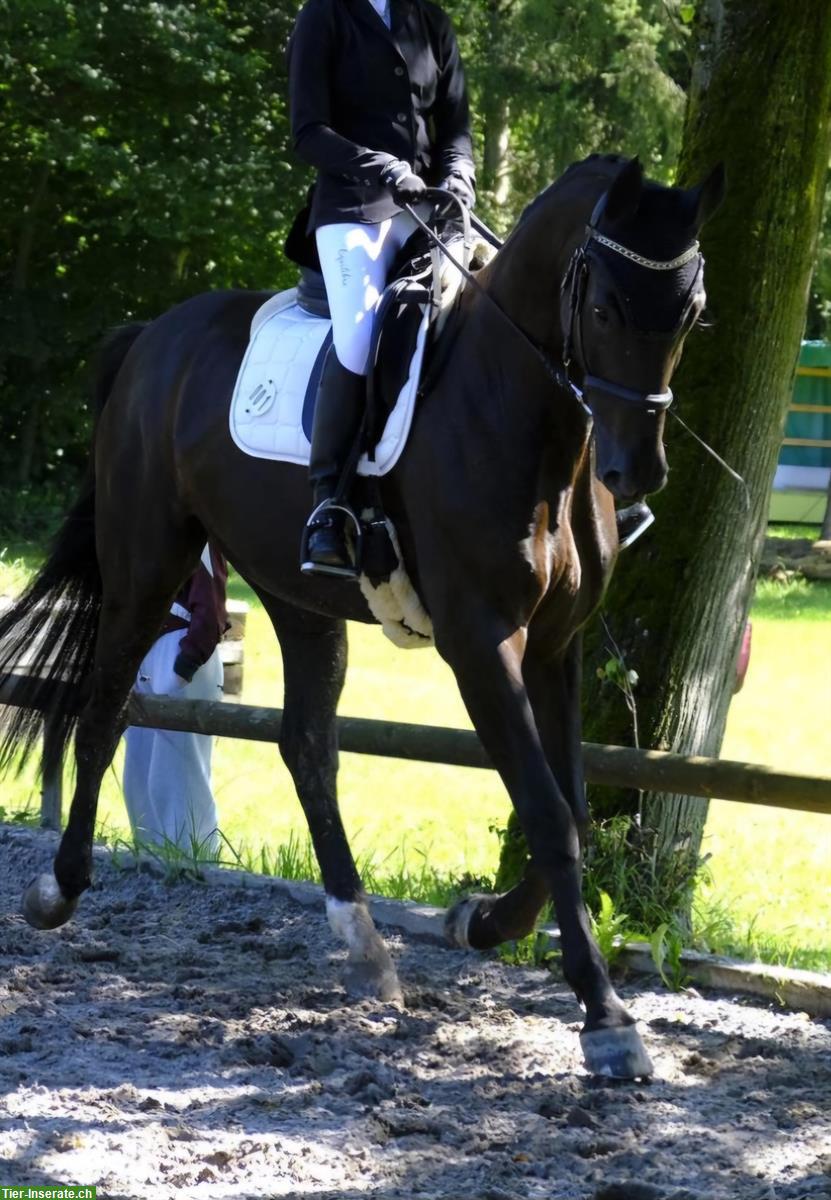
632, 522
308, 566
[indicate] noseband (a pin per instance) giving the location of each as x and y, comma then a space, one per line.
575, 284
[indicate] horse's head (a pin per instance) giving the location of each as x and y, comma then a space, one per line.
633, 291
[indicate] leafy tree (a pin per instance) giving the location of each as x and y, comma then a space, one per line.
554, 80
144, 152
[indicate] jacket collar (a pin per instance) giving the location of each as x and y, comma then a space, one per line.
399, 10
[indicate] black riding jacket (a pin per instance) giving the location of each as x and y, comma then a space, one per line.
362, 95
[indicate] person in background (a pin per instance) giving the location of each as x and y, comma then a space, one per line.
167, 775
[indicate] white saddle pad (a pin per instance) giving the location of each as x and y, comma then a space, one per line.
266, 417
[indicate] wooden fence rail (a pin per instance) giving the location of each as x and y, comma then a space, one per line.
615, 766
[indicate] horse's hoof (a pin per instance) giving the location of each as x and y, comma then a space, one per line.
457, 921
371, 979
44, 905
616, 1053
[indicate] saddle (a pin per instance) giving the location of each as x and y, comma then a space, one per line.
272, 405
418, 297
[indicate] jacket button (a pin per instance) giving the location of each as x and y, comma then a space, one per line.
401, 116
399, 70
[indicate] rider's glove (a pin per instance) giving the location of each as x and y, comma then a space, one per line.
458, 186
402, 183
185, 667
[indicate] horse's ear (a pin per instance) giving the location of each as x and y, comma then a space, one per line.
624, 195
707, 197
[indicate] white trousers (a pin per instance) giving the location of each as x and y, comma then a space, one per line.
167, 775
356, 262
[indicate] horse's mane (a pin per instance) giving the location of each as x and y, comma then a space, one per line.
602, 166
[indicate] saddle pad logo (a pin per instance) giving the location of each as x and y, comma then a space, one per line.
261, 398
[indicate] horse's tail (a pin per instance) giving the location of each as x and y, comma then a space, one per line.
48, 635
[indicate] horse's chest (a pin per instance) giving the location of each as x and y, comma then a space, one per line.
568, 578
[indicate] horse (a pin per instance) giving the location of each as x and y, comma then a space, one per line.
549, 408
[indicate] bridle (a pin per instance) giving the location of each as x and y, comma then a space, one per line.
575, 282
574, 285
573, 293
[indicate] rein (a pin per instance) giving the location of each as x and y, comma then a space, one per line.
559, 372
575, 280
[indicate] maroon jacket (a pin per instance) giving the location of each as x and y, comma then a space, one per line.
203, 597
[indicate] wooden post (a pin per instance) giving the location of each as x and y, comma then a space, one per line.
51, 794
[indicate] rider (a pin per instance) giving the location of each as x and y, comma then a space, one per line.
379, 106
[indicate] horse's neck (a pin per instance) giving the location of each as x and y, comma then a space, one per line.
513, 398
526, 275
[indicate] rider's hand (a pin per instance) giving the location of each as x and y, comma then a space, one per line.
403, 184
184, 668
459, 187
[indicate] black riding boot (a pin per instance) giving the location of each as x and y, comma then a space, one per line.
338, 412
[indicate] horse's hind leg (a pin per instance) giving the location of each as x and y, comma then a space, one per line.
314, 661
137, 590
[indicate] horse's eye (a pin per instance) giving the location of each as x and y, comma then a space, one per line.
601, 314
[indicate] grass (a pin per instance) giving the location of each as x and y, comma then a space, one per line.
423, 831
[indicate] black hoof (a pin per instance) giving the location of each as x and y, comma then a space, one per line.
616, 1053
44, 905
457, 921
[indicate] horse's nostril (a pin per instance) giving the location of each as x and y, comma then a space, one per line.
611, 480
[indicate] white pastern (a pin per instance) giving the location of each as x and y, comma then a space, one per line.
352, 923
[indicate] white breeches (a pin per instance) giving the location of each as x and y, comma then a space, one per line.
356, 261
167, 775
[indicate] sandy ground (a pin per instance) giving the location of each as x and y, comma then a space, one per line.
185, 1040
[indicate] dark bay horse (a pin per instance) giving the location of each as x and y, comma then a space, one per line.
504, 506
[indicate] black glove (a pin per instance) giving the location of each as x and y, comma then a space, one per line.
185, 667
402, 183
458, 186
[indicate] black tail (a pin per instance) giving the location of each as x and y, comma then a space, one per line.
49, 634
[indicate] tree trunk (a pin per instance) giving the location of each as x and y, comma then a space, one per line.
495, 157
760, 102
494, 107
677, 607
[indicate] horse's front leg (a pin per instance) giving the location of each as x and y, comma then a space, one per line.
486, 656
554, 685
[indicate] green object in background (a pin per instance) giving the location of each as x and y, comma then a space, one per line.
801, 482
814, 390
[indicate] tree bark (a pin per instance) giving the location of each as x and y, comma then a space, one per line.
494, 109
760, 102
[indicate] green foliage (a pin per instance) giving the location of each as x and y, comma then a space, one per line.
818, 324
621, 861
610, 928
535, 950
666, 945
553, 81
143, 152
